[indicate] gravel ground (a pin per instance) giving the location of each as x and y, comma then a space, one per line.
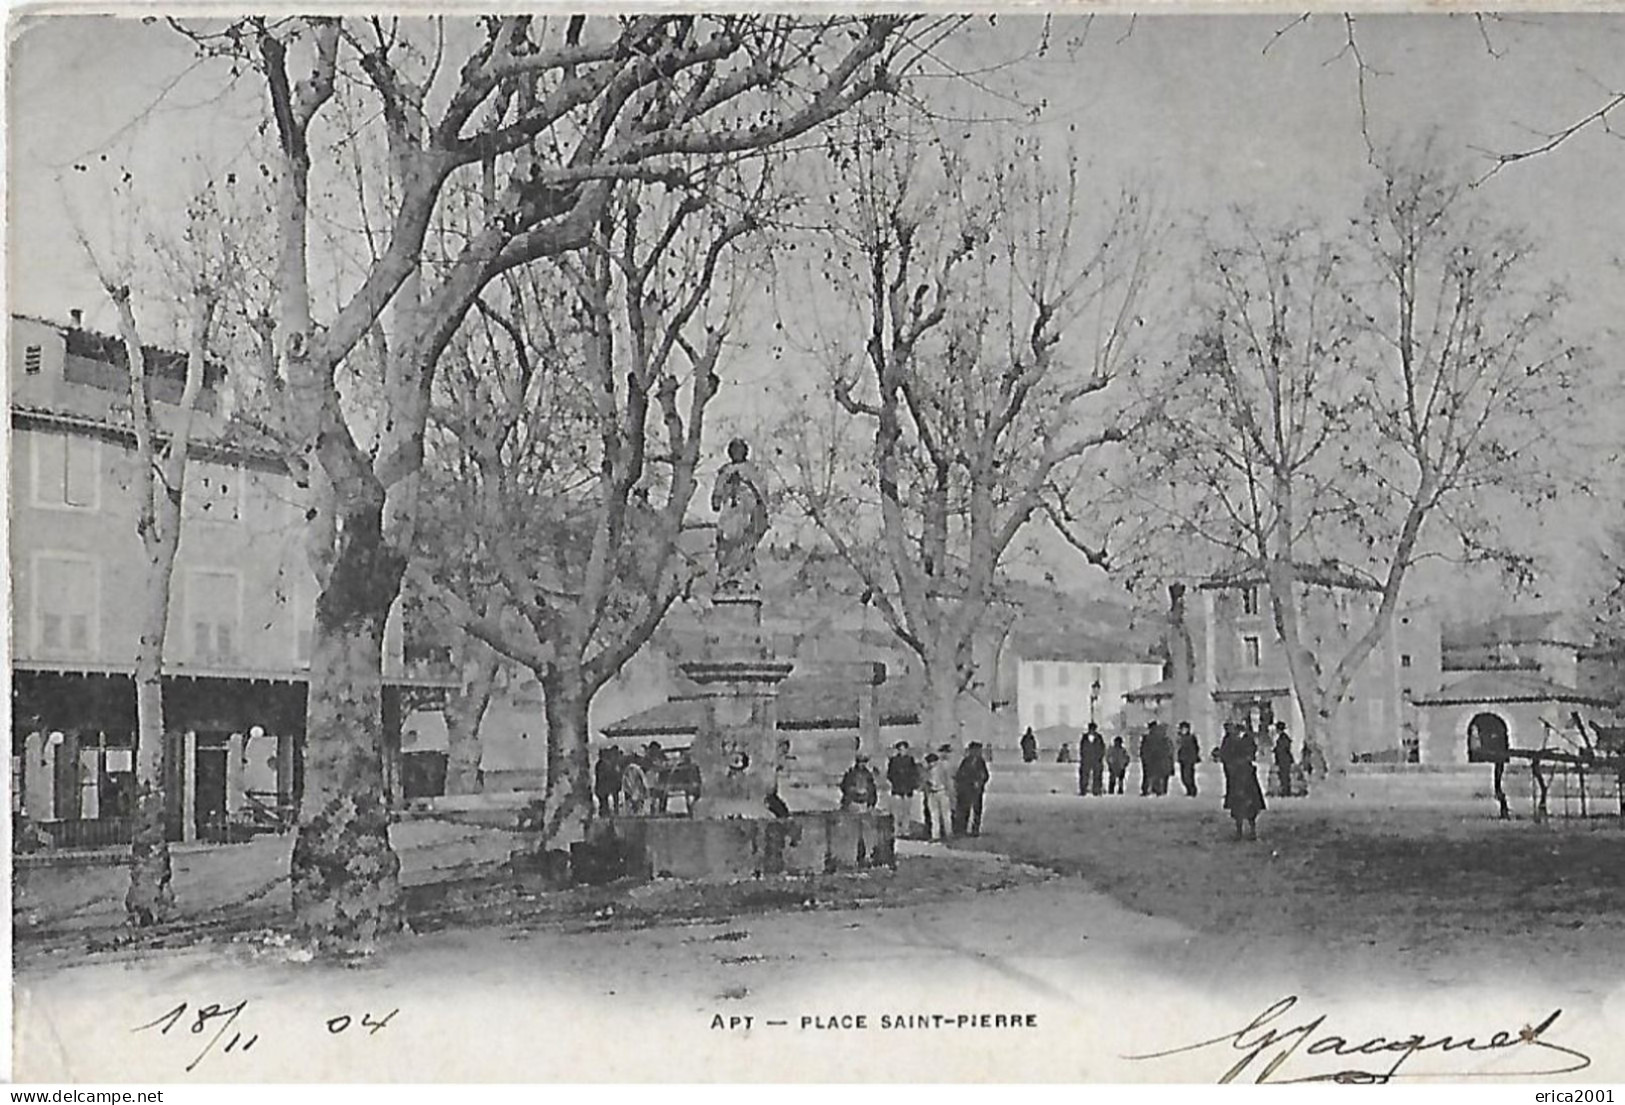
1128, 926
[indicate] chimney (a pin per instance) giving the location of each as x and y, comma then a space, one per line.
77, 316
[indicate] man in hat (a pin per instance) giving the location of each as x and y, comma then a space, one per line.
1282, 751
903, 777
858, 790
970, 783
1189, 754
1091, 760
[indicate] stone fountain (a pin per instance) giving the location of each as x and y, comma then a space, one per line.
732, 831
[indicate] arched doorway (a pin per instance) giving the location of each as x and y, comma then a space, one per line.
1487, 740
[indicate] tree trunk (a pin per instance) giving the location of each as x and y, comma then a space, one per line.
462, 750
1301, 667
569, 769
942, 706
346, 885
151, 898
463, 714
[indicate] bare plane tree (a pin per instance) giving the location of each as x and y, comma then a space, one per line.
1370, 399
163, 448
994, 317
550, 113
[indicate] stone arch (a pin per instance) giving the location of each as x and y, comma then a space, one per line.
1488, 737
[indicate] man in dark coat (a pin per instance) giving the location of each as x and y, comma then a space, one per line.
1156, 760
1189, 754
903, 777
858, 791
1243, 797
970, 782
1283, 759
1091, 761
1029, 747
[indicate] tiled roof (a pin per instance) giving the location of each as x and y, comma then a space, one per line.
1511, 629
1328, 573
1080, 647
802, 704
1506, 686
1163, 688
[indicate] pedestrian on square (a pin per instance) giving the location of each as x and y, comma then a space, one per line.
1116, 765
1091, 760
937, 783
1283, 759
1156, 761
970, 783
903, 778
1243, 797
1189, 754
1029, 747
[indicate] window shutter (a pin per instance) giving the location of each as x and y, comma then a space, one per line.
51, 469
81, 477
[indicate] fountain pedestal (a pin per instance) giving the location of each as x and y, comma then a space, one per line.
730, 833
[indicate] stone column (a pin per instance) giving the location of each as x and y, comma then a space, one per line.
1179, 653
736, 745
869, 739
189, 786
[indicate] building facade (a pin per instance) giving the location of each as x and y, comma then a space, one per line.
1069, 683
1514, 681
1240, 672
241, 611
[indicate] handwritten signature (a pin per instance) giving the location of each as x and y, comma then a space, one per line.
1268, 1041
222, 1018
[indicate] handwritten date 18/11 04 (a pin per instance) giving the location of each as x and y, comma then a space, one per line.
188, 1020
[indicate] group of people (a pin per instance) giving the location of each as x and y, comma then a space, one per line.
1160, 757
944, 799
638, 783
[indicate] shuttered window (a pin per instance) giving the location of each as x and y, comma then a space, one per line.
67, 471
214, 613
65, 597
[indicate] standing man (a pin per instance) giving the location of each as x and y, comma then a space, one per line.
1283, 759
1156, 761
1117, 764
1029, 747
1091, 761
1189, 754
903, 776
858, 791
970, 782
936, 784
